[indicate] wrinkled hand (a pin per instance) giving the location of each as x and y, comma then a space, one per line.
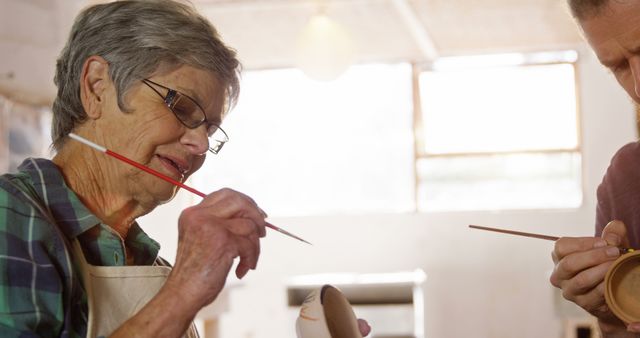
580, 267
224, 226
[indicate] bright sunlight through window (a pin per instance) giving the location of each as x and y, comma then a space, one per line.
483, 138
303, 147
499, 138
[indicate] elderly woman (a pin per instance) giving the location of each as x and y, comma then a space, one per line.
150, 80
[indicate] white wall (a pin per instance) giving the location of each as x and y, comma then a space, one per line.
32, 33
479, 284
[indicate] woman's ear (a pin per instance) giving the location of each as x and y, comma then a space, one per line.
94, 81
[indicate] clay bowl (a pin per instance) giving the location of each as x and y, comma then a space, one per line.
622, 287
326, 313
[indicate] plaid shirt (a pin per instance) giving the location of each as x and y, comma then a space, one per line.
40, 291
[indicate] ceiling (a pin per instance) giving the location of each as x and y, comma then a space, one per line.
264, 32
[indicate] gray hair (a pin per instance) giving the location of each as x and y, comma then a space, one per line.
582, 9
136, 38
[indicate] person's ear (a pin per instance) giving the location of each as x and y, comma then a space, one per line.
94, 81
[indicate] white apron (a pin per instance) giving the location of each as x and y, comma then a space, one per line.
116, 293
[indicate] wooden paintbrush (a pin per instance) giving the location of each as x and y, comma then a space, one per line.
528, 234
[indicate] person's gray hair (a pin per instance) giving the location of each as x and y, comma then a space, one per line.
582, 9
136, 38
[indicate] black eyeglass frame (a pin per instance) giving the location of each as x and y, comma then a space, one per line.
170, 101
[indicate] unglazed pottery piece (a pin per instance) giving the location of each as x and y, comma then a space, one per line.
326, 313
622, 287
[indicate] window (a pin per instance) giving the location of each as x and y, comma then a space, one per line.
498, 137
302, 147
481, 137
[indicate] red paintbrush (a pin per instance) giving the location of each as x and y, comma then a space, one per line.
162, 176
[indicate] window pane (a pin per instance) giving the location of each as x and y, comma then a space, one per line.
499, 109
303, 147
523, 181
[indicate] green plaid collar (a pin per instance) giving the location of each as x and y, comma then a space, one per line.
102, 246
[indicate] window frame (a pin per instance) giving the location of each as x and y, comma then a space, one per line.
418, 126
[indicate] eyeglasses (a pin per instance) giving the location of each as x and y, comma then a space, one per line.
190, 114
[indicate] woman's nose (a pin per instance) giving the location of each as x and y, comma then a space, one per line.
196, 140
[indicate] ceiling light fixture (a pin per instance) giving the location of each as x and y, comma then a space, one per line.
325, 48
